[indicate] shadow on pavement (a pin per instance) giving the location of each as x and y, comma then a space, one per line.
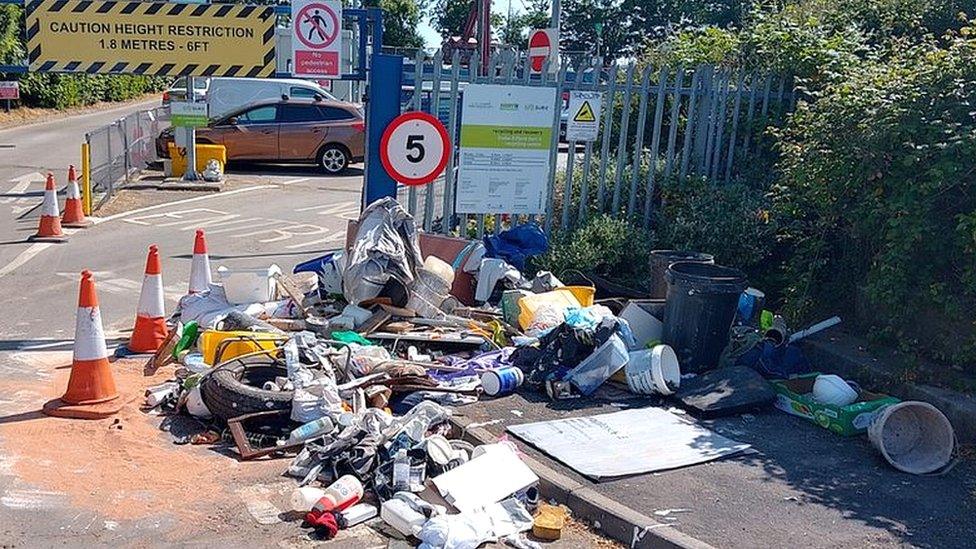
355, 170
49, 345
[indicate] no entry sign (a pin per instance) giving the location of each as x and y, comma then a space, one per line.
317, 37
414, 148
543, 46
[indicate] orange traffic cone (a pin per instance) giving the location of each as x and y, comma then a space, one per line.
91, 390
49, 228
74, 214
150, 329
200, 278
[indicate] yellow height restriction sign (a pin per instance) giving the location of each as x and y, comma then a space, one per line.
150, 38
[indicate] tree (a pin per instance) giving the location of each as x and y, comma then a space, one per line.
448, 17
400, 21
515, 28
586, 23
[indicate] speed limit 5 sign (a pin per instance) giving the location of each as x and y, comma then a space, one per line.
414, 148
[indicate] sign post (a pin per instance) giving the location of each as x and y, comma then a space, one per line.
506, 135
316, 38
414, 148
543, 46
188, 115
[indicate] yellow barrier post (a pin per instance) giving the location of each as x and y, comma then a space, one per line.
86, 197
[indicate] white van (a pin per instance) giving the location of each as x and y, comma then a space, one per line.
227, 94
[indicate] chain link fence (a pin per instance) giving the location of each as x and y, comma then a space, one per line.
121, 150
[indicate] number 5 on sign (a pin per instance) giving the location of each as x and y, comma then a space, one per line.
414, 148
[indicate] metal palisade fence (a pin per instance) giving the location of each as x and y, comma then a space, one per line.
124, 148
657, 125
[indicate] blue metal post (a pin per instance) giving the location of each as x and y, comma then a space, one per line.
383, 105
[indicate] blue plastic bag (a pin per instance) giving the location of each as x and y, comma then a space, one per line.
517, 244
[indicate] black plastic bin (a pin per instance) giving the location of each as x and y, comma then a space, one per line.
700, 308
660, 259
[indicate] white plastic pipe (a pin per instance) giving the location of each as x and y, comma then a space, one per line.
818, 327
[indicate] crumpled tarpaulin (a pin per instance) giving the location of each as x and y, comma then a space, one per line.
386, 246
517, 244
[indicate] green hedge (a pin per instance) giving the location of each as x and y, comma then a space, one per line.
62, 91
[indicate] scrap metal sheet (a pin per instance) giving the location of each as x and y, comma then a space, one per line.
627, 442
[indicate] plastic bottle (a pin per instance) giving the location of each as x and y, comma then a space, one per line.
304, 497
341, 494
312, 429
401, 471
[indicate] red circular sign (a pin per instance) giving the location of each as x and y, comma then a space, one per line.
539, 49
414, 148
316, 20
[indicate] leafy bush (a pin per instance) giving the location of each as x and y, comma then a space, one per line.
609, 247
876, 197
731, 222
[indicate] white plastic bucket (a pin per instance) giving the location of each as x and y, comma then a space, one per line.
914, 437
245, 285
653, 371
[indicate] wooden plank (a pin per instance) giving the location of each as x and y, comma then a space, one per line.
704, 131
655, 144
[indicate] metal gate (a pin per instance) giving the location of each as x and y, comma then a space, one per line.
658, 124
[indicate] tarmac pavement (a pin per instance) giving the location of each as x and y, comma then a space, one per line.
802, 487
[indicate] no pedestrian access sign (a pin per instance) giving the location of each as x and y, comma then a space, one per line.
414, 148
150, 38
317, 37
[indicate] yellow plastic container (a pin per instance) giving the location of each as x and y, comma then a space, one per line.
237, 343
560, 299
205, 153
583, 294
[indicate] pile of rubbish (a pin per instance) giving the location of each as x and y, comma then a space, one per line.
351, 365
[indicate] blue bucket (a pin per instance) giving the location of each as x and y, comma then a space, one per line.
502, 381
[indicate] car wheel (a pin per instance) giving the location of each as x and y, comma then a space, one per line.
333, 159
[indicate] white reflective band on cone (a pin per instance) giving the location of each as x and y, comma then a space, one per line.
151, 298
73, 192
89, 337
200, 277
50, 206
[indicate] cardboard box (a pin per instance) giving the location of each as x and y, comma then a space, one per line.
794, 396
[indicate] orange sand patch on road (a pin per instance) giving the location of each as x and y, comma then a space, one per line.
123, 467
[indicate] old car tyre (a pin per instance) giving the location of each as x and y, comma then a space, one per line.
235, 390
333, 159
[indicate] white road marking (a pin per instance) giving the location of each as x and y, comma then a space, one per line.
222, 221
222, 194
293, 181
24, 257
254, 222
33, 499
338, 236
325, 210
19, 188
180, 217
